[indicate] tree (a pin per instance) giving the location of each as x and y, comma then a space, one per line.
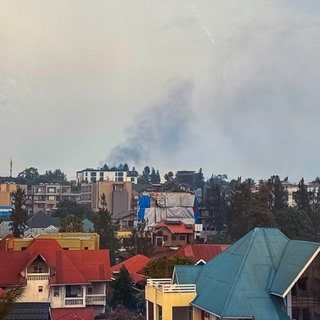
154, 176
278, 195
123, 292
66, 207
56, 176
140, 241
216, 201
104, 226
302, 197
71, 223
239, 209
163, 267
7, 299
19, 215
28, 176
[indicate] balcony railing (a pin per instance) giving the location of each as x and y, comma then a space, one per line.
166, 286
95, 299
73, 301
38, 276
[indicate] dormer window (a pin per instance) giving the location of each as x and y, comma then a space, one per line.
37, 268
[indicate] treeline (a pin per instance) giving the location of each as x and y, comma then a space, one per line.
237, 206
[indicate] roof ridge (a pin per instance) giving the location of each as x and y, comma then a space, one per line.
239, 271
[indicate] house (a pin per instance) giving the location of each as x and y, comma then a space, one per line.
39, 221
64, 278
201, 253
263, 276
134, 265
172, 234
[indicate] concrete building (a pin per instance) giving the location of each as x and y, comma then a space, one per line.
119, 198
46, 196
93, 175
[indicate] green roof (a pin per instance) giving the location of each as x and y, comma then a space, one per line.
294, 260
237, 283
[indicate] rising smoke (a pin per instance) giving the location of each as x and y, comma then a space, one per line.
162, 128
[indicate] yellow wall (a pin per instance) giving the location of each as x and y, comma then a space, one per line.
72, 241
167, 301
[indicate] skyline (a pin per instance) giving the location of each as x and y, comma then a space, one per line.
228, 87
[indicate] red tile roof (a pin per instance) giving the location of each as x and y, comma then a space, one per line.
70, 267
72, 313
134, 265
201, 251
173, 228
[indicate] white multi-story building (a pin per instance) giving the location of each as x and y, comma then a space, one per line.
94, 175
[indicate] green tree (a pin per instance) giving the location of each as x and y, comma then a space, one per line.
66, 207
28, 176
240, 203
217, 201
71, 223
278, 195
56, 176
163, 267
140, 241
123, 292
105, 227
19, 215
154, 176
302, 197
7, 299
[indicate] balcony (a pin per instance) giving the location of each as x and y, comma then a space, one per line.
166, 286
38, 276
74, 301
95, 299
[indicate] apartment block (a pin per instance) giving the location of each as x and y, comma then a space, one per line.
46, 196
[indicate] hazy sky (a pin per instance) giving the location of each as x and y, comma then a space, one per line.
231, 86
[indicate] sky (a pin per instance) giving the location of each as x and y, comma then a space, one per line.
229, 86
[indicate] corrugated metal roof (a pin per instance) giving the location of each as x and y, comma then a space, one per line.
295, 258
185, 274
236, 282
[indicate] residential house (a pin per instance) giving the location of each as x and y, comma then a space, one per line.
201, 253
64, 278
39, 223
172, 234
263, 276
134, 265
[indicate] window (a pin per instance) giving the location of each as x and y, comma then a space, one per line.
89, 290
51, 190
173, 238
165, 238
86, 248
51, 198
23, 248
40, 289
56, 291
182, 238
37, 268
159, 312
